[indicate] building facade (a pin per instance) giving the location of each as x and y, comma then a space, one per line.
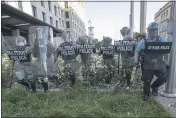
49, 12
162, 17
75, 20
66, 16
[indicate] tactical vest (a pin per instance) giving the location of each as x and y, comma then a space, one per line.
69, 56
128, 57
22, 48
153, 61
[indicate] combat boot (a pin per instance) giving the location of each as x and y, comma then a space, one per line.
146, 97
155, 91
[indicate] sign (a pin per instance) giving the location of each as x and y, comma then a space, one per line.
85, 49
22, 56
109, 50
67, 50
158, 47
125, 46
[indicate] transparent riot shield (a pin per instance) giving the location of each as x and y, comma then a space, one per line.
41, 40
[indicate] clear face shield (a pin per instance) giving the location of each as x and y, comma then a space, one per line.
40, 37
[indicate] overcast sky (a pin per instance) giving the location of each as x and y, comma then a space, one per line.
109, 17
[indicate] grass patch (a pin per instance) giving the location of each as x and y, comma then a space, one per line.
77, 102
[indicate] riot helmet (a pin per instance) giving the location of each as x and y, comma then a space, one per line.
65, 36
20, 41
107, 41
152, 30
125, 31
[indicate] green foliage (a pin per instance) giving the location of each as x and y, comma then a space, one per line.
137, 35
6, 72
78, 102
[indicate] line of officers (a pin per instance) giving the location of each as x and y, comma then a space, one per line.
151, 64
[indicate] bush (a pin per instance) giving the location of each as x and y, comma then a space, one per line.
7, 73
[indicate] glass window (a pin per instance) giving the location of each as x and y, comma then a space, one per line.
55, 10
67, 24
34, 11
56, 24
42, 3
20, 6
51, 20
167, 14
44, 16
62, 23
49, 5
66, 4
59, 11
66, 14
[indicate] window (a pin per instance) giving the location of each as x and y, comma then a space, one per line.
62, 23
56, 24
49, 5
42, 3
34, 11
66, 14
44, 16
62, 14
55, 10
20, 6
66, 4
67, 24
59, 11
167, 14
51, 20
161, 17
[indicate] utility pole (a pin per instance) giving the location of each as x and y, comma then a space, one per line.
171, 82
143, 13
132, 18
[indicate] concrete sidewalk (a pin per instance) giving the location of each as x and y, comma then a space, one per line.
168, 103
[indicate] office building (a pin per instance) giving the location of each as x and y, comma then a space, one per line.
162, 17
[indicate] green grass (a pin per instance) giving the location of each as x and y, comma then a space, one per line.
77, 102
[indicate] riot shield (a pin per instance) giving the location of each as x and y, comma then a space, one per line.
155, 55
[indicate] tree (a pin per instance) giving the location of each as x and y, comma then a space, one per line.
137, 35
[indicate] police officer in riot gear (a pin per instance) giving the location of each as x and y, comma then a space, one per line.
127, 57
153, 64
69, 56
108, 58
20, 65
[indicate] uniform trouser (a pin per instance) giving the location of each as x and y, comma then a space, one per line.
148, 77
109, 63
72, 75
24, 83
128, 71
73, 79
